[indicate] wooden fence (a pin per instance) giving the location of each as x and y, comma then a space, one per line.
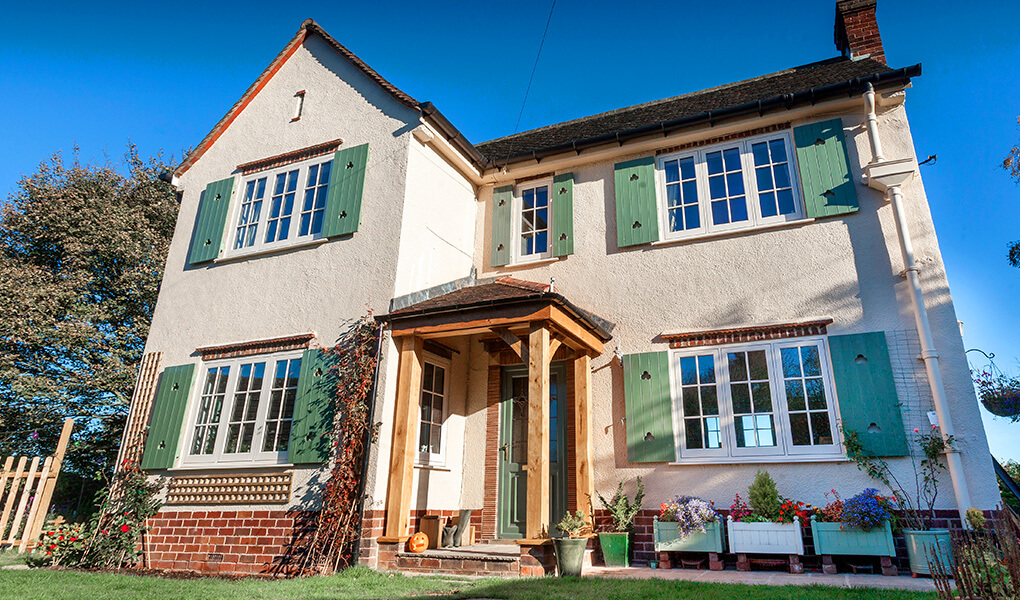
26, 493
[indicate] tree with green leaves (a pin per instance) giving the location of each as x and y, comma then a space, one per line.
82, 250
1012, 164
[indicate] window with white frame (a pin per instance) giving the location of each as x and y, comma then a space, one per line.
771, 399
737, 185
433, 412
282, 206
533, 221
244, 410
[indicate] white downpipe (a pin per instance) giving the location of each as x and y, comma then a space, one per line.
928, 352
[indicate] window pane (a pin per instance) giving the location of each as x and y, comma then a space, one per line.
737, 366
672, 170
759, 364
717, 186
738, 209
764, 178
709, 400
528, 198
693, 220
821, 432
812, 365
706, 368
720, 213
778, 148
799, 429
741, 398
435, 439
815, 394
791, 362
786, 205
428, 375
691, 402
541, 241
732, 158
688, 370
762, 395
692, 429
765, 430
267, 441
423, 437
735, 184
795, 395
713, 437
714, 162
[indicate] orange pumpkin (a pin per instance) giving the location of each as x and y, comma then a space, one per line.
418, 543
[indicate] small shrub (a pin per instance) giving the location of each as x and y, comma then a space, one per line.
63, 545
976, 519
572, 524
763, 496
621, 509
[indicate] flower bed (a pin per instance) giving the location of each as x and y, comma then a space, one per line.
765, 538
837, 538
668, 538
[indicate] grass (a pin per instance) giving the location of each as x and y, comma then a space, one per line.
11, 557
362, 583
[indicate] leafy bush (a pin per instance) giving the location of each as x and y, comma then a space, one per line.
789, 509
763, 496
61, 546
867, 510
689, 513
833, 511
976, 519
621, 509
571, 524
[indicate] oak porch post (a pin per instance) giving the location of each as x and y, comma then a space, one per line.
405, 427
538, 432
584, 484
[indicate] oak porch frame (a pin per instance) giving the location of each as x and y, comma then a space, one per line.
534, 331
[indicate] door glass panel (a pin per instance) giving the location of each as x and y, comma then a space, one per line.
519, 421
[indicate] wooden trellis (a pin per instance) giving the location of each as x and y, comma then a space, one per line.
25, 494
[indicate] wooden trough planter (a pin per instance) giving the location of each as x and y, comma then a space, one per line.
837, 539
667, 539
766, 538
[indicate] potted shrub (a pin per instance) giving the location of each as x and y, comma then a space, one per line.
770, 525
570, 549
615, 544
924, 543
688, 524
860, 526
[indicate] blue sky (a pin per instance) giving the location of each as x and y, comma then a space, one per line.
95, 75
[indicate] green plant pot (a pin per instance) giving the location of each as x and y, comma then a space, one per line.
667, 538
836, 538
615, 548
570, 555
923, 546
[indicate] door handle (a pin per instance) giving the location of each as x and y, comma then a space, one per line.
505, 449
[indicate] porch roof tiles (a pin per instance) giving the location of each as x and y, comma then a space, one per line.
497, 292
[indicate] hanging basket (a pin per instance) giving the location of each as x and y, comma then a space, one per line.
999, 393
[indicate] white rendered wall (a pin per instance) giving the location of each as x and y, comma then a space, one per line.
845, 268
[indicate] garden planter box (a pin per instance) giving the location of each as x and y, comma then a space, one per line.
765, 538
667, 538
836, 538
923, 546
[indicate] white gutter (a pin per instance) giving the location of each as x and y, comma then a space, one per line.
887, 176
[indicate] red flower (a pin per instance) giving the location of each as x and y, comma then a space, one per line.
48, 552
53, 546
60, 538
104, 532
125, 528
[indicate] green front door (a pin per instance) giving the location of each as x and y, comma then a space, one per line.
513, 451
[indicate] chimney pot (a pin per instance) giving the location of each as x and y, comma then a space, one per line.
857, 29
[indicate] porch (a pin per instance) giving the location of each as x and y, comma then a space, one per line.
537, 348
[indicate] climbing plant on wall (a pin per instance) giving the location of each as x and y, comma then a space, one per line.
337, 526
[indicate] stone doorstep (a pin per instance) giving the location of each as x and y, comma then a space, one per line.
453, 555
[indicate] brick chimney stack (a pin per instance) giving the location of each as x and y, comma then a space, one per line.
857, 29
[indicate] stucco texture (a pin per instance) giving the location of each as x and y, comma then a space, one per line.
846, 268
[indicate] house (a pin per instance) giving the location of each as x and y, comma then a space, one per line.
684, 290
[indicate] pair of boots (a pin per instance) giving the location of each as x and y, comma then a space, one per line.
453, 534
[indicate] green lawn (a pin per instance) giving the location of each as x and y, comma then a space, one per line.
11, 557
365, 584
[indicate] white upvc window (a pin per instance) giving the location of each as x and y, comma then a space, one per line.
532, 221
434, 406
771, 400
731, 186
280, 207
243, 410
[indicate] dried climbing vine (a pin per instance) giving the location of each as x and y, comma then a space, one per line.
337, 526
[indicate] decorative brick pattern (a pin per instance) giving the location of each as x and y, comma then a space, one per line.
757, 333
724, 138
230, 489
229, 541
251, 348
289, 157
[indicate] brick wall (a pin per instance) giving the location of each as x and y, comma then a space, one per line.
227, 541
857, 29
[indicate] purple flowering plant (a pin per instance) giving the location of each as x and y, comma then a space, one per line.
866, 511
690, 514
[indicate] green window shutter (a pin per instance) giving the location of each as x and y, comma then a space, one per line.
346, 188
825, 169
867, 392
168, 416
563, 214
313, 410
502, 201
649, 408
212, 218
636, 213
